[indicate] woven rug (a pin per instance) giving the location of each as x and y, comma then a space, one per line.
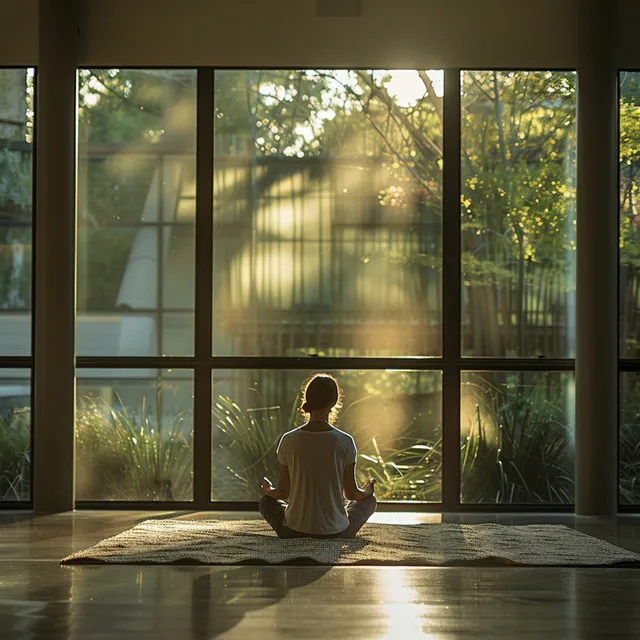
253, 542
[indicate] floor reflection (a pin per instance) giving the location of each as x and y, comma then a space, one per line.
223, 597
404, 610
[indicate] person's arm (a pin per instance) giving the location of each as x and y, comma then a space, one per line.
350, 488
281, 492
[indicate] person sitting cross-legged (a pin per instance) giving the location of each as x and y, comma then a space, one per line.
317, 470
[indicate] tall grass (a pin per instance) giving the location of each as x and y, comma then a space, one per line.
524, 456
409, 473
528, 459
629, 443
245, 443
15, 455
122, 457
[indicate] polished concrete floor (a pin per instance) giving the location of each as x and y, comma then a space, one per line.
39, 598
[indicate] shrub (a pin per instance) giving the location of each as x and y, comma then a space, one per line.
245, 445
629, 443
528, 459
121, 457
245, 451
15, 455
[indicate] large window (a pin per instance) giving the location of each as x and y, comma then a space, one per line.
518, 213
517, 431
331, 218
518, 137
629, 310
16, 225
136, 212
328, 213
134, 435
136, 275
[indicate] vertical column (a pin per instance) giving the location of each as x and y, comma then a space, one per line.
452, 288
204, 291
54, 331
597, 283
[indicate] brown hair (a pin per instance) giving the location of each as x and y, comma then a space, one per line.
321, 391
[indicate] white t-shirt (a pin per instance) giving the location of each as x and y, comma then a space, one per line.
316, 461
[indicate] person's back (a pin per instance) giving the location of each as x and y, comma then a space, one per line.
317, 469
316, 460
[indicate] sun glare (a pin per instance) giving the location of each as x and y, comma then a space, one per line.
407, 87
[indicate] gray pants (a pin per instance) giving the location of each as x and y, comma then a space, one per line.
359, 512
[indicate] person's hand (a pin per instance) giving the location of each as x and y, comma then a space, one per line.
266, 486
369, 486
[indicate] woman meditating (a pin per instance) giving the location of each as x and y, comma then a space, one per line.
317, 469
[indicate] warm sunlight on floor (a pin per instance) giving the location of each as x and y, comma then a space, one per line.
398, 517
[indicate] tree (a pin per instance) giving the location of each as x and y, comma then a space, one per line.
629, 218
517, 160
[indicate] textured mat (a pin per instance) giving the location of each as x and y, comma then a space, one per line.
253, 542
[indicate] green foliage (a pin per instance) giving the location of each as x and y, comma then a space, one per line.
121, 106
410, 473
245, 445
123, 457
629, 442
527, 461
629, 184
15, 455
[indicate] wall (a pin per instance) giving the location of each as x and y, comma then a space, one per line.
19, 29
398, 33
389, 33
627, 41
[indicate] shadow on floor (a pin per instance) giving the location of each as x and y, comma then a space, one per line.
216, 606
15, 516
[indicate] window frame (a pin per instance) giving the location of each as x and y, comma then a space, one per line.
451, 363
27, 362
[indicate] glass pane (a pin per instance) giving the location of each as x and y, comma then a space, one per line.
518, 213
394, 417
134, 434
136, 210
517, 437
327, 212
629, 446
629, 216
15, 434
16, 178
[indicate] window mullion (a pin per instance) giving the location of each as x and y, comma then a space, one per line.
451, 286
203, 290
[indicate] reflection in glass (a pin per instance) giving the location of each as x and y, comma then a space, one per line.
15, 435
16, 178
134, 435
629, 445
518, 213
629, 216
517, 437
136, 211
394, 417
327, 212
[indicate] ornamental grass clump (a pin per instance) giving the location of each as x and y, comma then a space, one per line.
15, 455
527, 459
123, 456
